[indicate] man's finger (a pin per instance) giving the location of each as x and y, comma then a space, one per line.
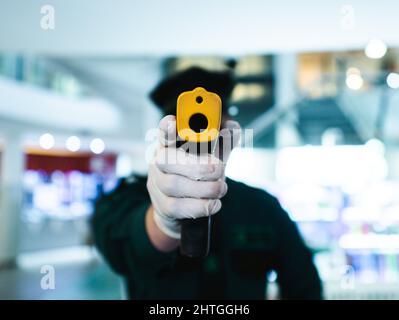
204, 167
181, 208
167, 131
229, 138
178, 186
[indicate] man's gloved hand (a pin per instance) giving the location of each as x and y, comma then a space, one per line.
183, 185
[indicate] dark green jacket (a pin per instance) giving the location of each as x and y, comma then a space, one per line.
251, 235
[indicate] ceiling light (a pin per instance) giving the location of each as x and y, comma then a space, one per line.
97, 146
393, 80
73, 144
233, 111
375, 49
354, 81
46, 141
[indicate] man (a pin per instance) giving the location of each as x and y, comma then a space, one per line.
137, 227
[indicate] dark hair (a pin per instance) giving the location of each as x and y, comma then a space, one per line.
165, 94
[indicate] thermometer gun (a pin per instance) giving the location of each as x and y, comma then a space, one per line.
198, 118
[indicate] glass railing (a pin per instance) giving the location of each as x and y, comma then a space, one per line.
41, 72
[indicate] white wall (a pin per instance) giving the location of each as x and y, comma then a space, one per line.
102, 27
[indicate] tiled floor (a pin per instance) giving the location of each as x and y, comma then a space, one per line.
83, 277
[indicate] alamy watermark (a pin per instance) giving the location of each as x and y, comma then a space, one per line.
180, 151
47, 21
347, 17
47, 281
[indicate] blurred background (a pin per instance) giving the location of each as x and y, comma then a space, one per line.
318, 82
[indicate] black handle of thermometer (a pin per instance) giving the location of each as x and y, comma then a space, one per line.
196, 233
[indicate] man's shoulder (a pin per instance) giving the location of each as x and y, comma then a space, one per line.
127, 188
249, 205
256, 195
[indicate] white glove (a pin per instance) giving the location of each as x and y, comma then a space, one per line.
183, 185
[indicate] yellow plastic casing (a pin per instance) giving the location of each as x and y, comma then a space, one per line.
203, 102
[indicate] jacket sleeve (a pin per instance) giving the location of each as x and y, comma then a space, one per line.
297, 275
118, 227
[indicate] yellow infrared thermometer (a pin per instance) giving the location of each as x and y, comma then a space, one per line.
198, 118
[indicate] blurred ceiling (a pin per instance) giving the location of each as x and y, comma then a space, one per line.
157, 27
28, 104
115, 103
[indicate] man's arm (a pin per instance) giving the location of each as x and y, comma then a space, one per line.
159, 239
121, 233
